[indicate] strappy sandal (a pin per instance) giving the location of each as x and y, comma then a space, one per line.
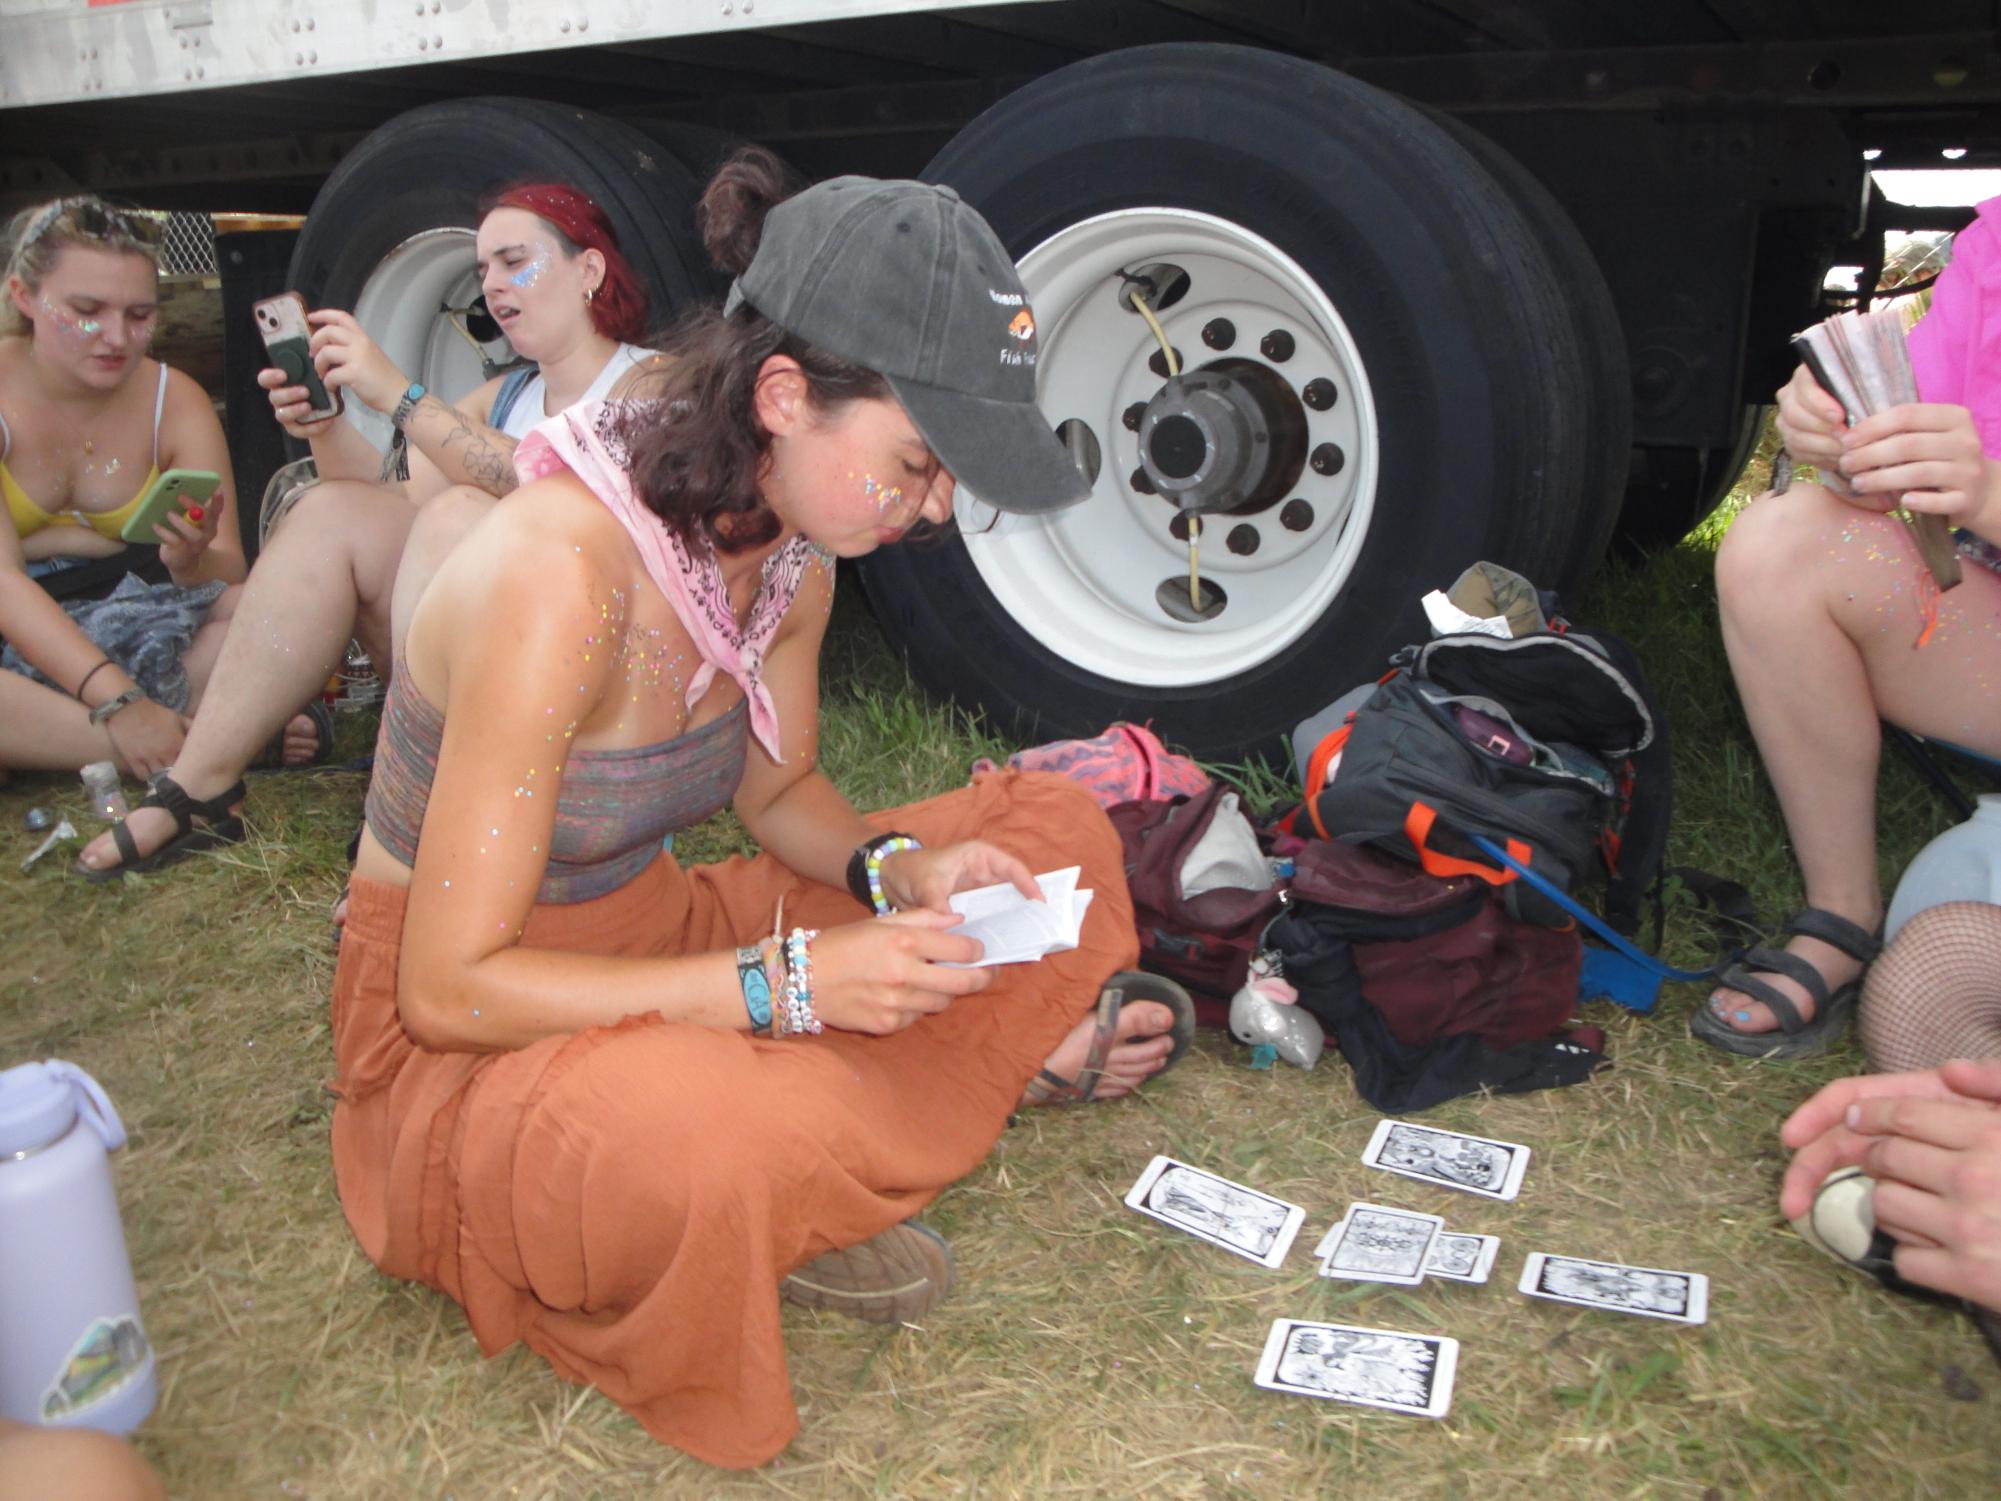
1796, 1037
272, 756
218, 827
1048, 1088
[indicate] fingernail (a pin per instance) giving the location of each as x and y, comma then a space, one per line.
1852, 1117
1743, 1016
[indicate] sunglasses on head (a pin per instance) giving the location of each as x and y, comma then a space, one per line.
93, 219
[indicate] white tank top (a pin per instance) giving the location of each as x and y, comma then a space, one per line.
527, 414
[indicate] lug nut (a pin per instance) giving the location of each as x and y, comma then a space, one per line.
1132, 415
1319, 393
1277, 346
1219, 333
1296, 516
1328, 459
1243, 540
1142, 482
1158, 364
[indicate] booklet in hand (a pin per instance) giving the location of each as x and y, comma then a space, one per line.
1016, 930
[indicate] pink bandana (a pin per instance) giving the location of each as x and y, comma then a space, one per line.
585, 441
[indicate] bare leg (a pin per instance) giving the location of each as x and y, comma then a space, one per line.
1822, 610
43, 730
331, 565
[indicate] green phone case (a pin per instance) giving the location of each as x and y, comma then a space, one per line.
175, 490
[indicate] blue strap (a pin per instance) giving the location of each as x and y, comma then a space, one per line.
1647, 961
509, 393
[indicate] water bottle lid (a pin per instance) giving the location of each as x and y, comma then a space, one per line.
39, 1102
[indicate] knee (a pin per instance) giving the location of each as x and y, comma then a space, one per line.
78, 1463
446, 517
1764, 545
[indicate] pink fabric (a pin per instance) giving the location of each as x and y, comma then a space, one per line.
1125, 764
1956, 347
584, 440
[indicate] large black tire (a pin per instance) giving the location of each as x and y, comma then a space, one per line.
1673, 490
1448, 294
1596, 344
428, 168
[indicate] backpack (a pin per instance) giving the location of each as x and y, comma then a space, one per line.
1549, 744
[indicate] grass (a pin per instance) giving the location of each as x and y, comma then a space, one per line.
1089, 1352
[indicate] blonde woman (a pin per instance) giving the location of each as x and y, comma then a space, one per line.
87, 422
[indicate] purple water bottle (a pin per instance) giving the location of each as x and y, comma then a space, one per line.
73, 1352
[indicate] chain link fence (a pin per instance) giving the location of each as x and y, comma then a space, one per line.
188, 246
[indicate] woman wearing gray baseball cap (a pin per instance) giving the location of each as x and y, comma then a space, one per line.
608, 1104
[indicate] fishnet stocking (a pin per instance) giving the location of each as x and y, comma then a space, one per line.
1935, 993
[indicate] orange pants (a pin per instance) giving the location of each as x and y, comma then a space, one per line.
626, 1199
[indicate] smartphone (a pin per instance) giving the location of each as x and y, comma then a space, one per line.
288, 341
175, 490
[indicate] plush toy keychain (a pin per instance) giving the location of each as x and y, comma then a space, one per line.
1265, 1014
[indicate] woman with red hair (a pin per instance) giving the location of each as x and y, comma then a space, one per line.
557, 285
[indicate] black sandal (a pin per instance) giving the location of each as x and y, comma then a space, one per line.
1048, 1088
1796, 1037
218, 826
272, 756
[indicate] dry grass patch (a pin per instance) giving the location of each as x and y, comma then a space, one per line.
1089, 1352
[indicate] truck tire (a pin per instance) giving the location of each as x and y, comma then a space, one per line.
1369, 269
1598, 343
390, 232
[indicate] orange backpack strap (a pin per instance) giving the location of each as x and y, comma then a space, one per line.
1329, 747
1417, 827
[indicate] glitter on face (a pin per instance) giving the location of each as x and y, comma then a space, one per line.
531, 273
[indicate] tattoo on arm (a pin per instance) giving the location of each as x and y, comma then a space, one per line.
488, 456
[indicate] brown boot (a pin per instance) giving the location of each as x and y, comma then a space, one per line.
891, 1278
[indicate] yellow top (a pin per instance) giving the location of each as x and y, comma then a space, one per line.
29, 518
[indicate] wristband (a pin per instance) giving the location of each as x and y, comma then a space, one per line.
799, 1013
407, 405
756, 986
88, 676
865, 869
118, 701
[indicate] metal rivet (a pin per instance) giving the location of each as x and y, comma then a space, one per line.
298, 59
309, 23
423, 44
563, 26
312, 57
295, 28
585, 23
437, 41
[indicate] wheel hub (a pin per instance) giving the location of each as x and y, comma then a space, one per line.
1228, 437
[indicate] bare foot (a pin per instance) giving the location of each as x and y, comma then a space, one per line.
1741, 1013
302, 741
1139, 1050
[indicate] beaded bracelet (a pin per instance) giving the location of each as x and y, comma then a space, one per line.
799, 981
881, 850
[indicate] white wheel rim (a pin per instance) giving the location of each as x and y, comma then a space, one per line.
1083, 582
401, 308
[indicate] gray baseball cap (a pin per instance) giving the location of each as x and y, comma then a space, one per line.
904, 279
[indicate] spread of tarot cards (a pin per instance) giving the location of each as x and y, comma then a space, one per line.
1471, 1164
1373, 1367
1254, 1225
1374, 1243
1650, 1292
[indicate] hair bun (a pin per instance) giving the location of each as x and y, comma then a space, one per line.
748, 185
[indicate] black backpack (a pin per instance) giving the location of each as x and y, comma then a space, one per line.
1550, 745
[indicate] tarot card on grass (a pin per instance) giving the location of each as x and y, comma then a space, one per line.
1680, 1297
1373, 1367
1226, 1214
1375, 1244
1472, 1164
1462, 1258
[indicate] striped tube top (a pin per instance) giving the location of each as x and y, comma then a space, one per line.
613, 807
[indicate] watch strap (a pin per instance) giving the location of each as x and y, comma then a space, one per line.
407, 405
